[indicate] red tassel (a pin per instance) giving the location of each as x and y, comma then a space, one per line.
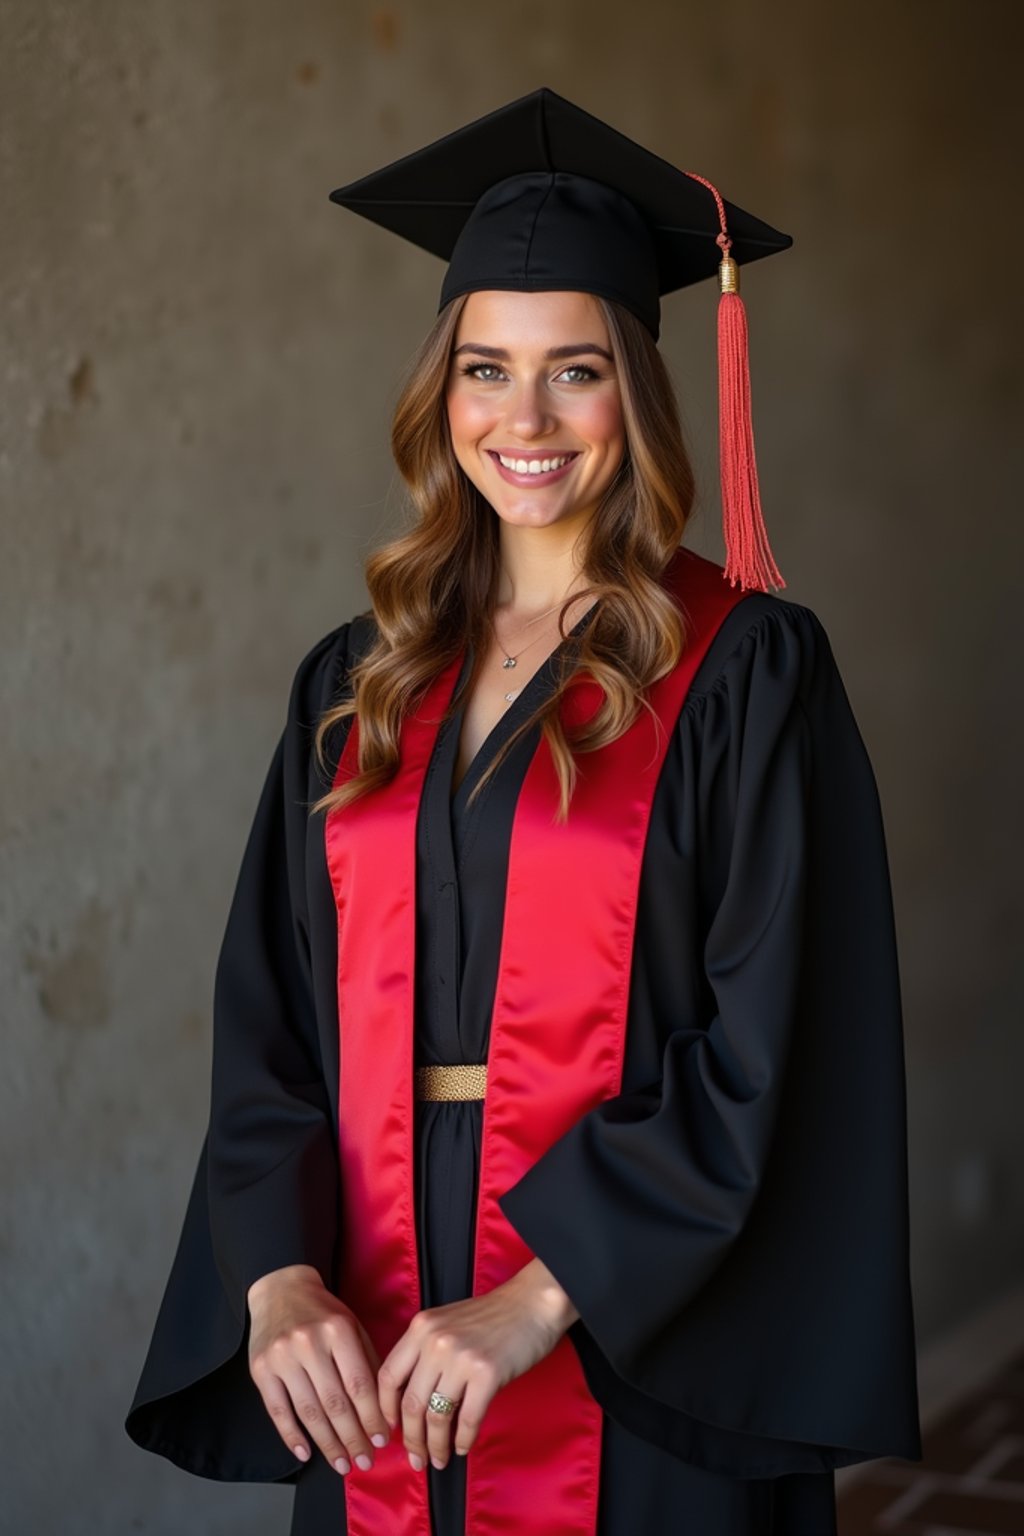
749, 558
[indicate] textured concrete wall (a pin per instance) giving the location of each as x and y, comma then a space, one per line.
199, 354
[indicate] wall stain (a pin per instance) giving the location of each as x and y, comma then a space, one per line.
192, 1025
82, 382
384, 29
73, 982
57, 426
178, 602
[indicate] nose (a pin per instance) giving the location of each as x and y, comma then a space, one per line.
529, 412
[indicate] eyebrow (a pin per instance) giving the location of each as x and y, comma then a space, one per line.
574, 349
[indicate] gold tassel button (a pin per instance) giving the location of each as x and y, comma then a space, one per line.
728, 275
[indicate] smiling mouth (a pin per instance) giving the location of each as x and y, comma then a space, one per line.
540, 469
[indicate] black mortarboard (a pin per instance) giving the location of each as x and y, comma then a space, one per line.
539, 194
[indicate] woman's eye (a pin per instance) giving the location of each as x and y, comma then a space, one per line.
474, 370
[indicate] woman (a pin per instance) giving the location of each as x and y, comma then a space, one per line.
555, 1178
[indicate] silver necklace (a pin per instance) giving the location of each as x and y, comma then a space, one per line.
511, 661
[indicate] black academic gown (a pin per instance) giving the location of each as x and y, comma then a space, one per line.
732, 1227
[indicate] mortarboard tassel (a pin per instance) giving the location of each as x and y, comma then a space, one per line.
748, 554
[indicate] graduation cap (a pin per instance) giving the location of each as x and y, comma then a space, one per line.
540, 194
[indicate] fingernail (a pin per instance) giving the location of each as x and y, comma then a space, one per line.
342, 1465
362, 1460
379, 1439
415, 1461
301, 1451
438, 1464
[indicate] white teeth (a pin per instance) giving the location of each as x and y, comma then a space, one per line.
533, 466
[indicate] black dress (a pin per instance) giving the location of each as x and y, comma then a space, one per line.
732, 1228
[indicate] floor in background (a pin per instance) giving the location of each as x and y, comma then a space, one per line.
971, 1480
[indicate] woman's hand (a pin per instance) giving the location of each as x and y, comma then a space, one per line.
313, 1361
467, 1350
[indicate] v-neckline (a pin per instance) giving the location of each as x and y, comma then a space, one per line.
483, 753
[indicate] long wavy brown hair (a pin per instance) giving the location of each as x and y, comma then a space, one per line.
434, 587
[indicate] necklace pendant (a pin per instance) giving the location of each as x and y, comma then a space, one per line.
509, 661
510, 696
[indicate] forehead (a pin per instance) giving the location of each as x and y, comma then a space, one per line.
511, 318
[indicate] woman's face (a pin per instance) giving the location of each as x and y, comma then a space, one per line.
532, 380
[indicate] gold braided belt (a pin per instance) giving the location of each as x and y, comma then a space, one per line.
465, 1081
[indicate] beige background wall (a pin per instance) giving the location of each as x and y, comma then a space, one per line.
198, 356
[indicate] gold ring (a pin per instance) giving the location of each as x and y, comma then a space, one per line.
442, 1404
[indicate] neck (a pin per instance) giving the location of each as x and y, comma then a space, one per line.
539, 569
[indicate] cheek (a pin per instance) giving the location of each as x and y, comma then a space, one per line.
468, 416
600, 419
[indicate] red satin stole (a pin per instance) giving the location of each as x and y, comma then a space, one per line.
556, 1049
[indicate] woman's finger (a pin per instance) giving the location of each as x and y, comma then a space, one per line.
313, 1416
360, 1382
395, 1370
279, 1406
344, 1415
439, 1425
414, 1411
476, 1399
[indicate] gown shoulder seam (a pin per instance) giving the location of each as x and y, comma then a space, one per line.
778, 610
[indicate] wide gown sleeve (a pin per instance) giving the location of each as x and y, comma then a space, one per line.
734, 1235
265, 1191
